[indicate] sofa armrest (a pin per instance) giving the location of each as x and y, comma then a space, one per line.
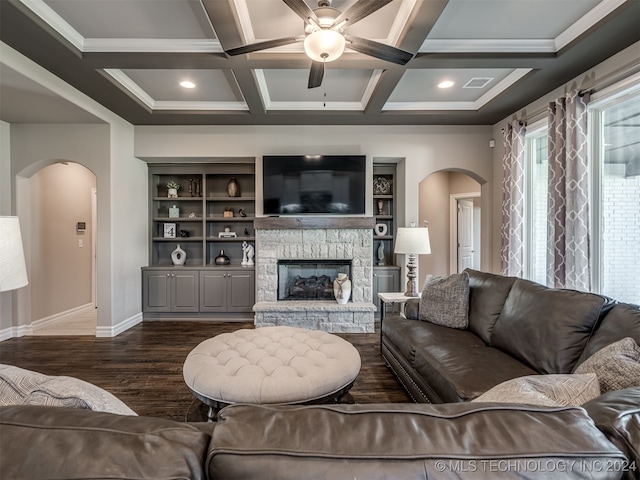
58, 442
411, 309
617, 414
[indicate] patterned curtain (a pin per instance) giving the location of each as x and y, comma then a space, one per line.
512, 251
568, 213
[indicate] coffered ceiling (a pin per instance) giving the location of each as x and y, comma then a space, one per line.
131, 55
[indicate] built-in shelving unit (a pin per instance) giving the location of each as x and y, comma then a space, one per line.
386, 275
201, 220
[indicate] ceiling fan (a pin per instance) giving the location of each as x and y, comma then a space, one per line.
324, 38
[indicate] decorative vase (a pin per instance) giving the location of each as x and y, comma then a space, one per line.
381, 254
173, 193
380, 207
222, 259
233, 189
342, 288
178, 256
380, 229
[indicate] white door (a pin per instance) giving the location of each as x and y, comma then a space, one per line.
465, 234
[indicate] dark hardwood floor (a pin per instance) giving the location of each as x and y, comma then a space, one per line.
143, 366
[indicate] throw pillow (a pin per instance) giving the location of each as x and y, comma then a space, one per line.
617, 365
24, 387
445, 301
548, 390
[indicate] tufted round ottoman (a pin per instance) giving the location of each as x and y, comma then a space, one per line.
271, 365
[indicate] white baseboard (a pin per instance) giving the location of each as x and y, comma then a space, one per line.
43, 322
22, 330
117, 329
112, 331
13, 332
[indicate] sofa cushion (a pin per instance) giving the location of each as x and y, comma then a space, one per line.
406, 441
623, 320
445, 301
560, 390
25, 387
487, 294
447, 359
617, 365
617, 414
547, 328
54, 442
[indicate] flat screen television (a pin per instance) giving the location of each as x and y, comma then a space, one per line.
313, 184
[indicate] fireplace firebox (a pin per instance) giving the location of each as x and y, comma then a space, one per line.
309, 279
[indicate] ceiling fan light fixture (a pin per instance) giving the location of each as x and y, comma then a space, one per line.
324, 45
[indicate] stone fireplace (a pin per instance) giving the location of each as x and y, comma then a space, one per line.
315, 243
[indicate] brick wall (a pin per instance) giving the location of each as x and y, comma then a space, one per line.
621, 235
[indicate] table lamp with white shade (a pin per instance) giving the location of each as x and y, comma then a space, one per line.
412, 241
13, 272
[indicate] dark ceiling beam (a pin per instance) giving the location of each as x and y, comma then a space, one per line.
385, 87
249, 88
156, 60
223, 17
423, 17
420, 23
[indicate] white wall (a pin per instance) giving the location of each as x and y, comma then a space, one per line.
6, 209
129, 239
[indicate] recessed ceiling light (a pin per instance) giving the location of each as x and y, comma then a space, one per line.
187, 84
446, 84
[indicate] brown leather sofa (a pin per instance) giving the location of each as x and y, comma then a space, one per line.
516, 328
400, 441
549, 331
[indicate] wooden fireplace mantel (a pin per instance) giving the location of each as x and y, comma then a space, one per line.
284, 223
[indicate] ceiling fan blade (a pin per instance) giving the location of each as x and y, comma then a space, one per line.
254, 47
302, 10
316, 74
359, 10
378, 50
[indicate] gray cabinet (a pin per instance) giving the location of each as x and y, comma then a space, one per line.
170, 290
385, 279
227, 290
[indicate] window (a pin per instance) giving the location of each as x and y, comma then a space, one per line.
537, 174
615, 136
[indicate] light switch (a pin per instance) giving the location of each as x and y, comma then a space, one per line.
80, 243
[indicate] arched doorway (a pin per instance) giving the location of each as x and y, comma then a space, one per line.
61, 248
450, 201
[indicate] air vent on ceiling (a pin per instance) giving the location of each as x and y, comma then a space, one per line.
477, 82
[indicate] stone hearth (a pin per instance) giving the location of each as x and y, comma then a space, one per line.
292, 238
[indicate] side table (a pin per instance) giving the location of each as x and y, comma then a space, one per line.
393, 299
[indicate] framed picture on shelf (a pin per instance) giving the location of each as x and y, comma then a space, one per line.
169, 230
